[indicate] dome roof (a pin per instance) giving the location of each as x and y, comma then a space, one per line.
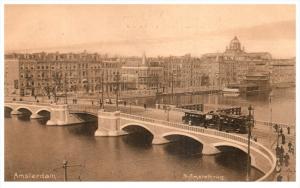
235, 40
235, 44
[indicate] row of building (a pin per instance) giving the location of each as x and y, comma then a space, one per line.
84, 73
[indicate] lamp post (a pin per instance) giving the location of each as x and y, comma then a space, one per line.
102, 90
66, 92
117, 90
270, 124
168, 108
250, 121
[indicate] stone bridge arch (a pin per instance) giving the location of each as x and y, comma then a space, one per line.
9, 106
238, 146
208, 149
24, 107
183, 134
139, 125
43, 109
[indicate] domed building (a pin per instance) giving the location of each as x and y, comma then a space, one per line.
234, 46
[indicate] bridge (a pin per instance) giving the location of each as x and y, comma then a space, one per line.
115, 123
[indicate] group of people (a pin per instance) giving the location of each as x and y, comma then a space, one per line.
283, 157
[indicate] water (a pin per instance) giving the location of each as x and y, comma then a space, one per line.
282, 104
31, 147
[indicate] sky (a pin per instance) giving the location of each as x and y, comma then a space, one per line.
153, 29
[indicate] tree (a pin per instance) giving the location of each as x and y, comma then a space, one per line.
55, 84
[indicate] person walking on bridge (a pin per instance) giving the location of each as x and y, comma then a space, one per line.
286, 159
276, 128
288, 130
289, 145
281, 156
283, 139
277, 151
280, 131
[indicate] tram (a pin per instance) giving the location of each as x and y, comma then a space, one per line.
217, 120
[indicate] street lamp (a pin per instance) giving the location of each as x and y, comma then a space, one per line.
172, 89
270, 124
117, 90
130, 107
168, 108
250, 122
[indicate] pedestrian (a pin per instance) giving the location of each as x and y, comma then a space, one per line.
279, 177
288, 130
278, 167
281, 150
286, 159
289, 145
277, 151
281, 156
283, 139
255, 139
92, 102
145, 106
125, 103
292, 149
276, 127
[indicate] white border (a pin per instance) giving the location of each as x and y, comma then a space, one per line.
152, 184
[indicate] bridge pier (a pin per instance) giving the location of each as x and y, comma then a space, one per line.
60, 115
209, 149
35, 116
15, 112
109, 124
159, 140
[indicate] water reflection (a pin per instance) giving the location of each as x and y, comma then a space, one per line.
138, 137
184, 147
85, 129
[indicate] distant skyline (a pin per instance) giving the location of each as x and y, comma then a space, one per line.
156, 29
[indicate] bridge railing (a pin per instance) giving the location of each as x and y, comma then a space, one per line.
28, 103
266, 123
189, 128
212, 132
83, 108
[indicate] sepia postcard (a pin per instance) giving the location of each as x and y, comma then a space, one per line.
149, 92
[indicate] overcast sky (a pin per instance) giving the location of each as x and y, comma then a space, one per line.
155, 29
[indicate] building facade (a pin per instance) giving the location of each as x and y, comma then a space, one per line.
235, 64
11, 76
48, 74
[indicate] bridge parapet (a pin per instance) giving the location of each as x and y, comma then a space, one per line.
89, 109
268, 168
59, 113
266, 123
